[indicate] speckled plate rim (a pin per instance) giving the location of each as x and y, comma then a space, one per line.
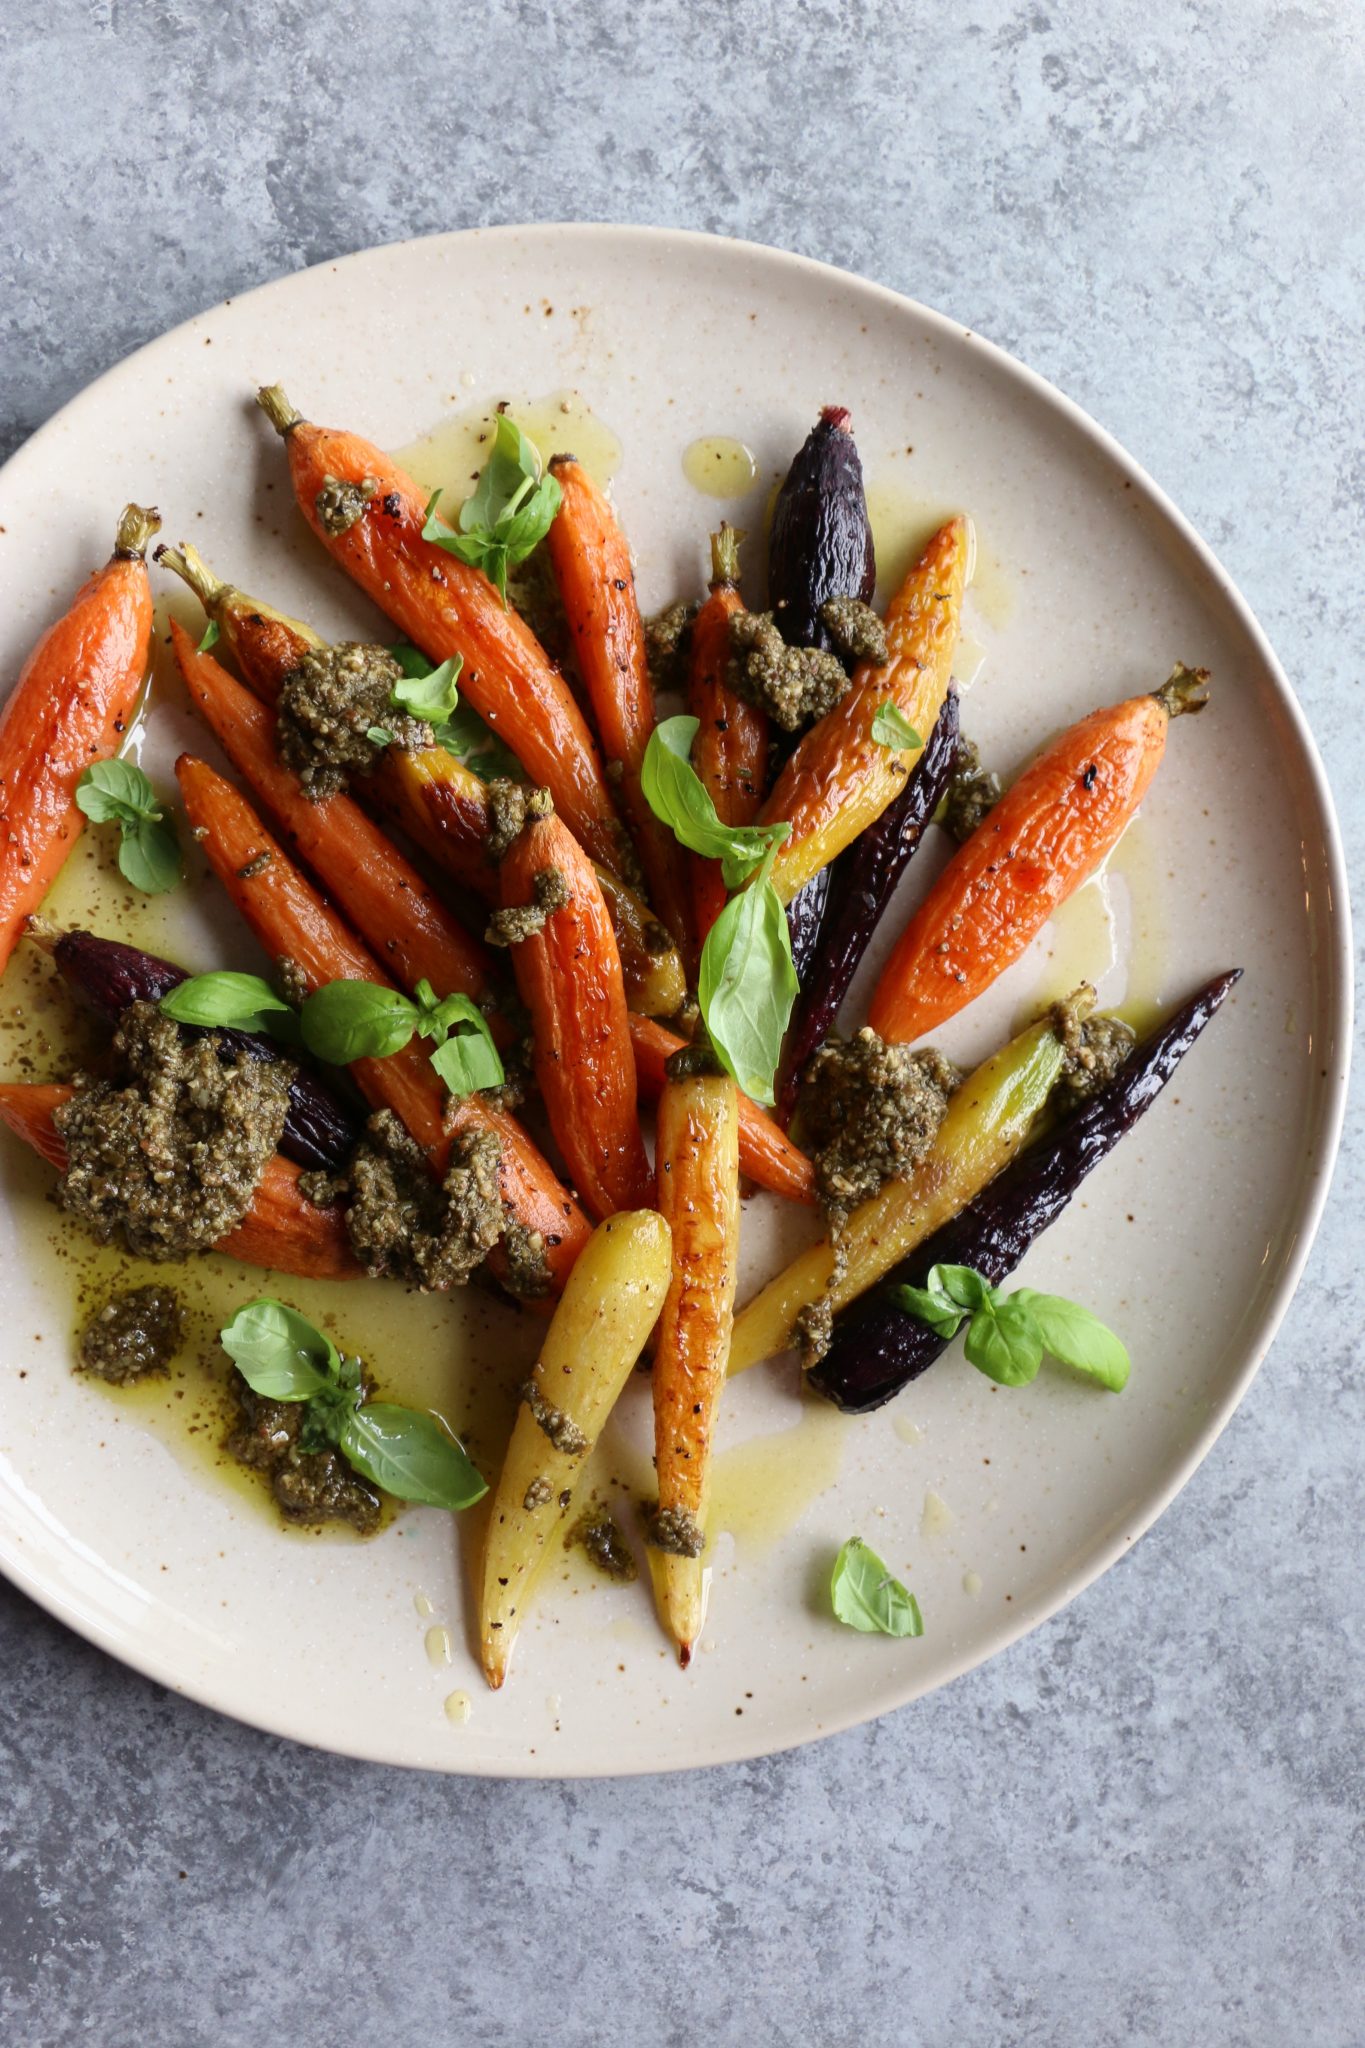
1336, 971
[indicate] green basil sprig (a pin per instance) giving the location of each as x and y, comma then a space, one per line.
117, 793
459, 730
283, 1357
676, 793
432, 696
226, 1000
1009, 1334
868, 1598
354, 1020
891, 728
508, 514
746, 985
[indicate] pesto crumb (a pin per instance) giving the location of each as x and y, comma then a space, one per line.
133, 1336
596, 1532
855, 629
560, 1428
515, 922
674, 1530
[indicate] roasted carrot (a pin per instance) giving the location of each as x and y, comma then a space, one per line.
369, 514
435, 799
840, 779
592, 566
290, 918
1047, 833
731, 747
766, 1153
280, 1230
398, 916
698, 1197
70, 706
569, 974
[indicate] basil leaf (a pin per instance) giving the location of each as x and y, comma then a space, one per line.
222, 1000
116, 793
868, 1598
1080, 1340
508, 513
432, 696
962, 1284
469, 740
522, 531
411, 659
212, 635
944, 1317
468, 1060
747, 985
278, 1352
677, 795
1003, 1342
410, 1456
379, 736
324, 1418
891, 728
354, 1020
149, 856
510, 472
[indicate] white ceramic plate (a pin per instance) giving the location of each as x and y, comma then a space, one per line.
996, 1507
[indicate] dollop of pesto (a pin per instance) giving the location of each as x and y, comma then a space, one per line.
511, 805
1096, 1047
132, 1336
339, 505
668, 639
169, 1153
973, 792
674, 1530
310, 1486
562, 1431
596, 1531
401, 1220
855, 629
794, 685
869, 1113
549, 892
329, 705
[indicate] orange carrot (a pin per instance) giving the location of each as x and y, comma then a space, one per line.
840, 779
569, 974
280, 1229
435, 799
766, 1153
592, 567
698, 1197
374, 514
70, 706
1046, 834
731, 747
399, 917
290, 918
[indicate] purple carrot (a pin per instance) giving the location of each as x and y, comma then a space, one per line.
863, 879
878, 1347
319, 1131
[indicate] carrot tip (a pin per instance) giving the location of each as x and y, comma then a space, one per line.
274, 403
1185, 689
136, 525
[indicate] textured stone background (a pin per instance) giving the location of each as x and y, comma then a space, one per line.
1143, 1825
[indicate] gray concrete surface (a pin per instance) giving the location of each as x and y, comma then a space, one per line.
1143, 1825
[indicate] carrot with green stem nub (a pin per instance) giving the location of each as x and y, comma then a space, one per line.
72, 704
280, 1229
730, 750
291, 920
1048, 832
399, 917
370, 515
595, 576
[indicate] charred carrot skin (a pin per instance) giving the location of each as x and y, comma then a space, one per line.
698, 1197
766, 1154
839, 780
382, 894
447, 608
592, 567
280, 1230
435, 799
71, 705
1047, 833
569, 976
289, 917
730, 750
